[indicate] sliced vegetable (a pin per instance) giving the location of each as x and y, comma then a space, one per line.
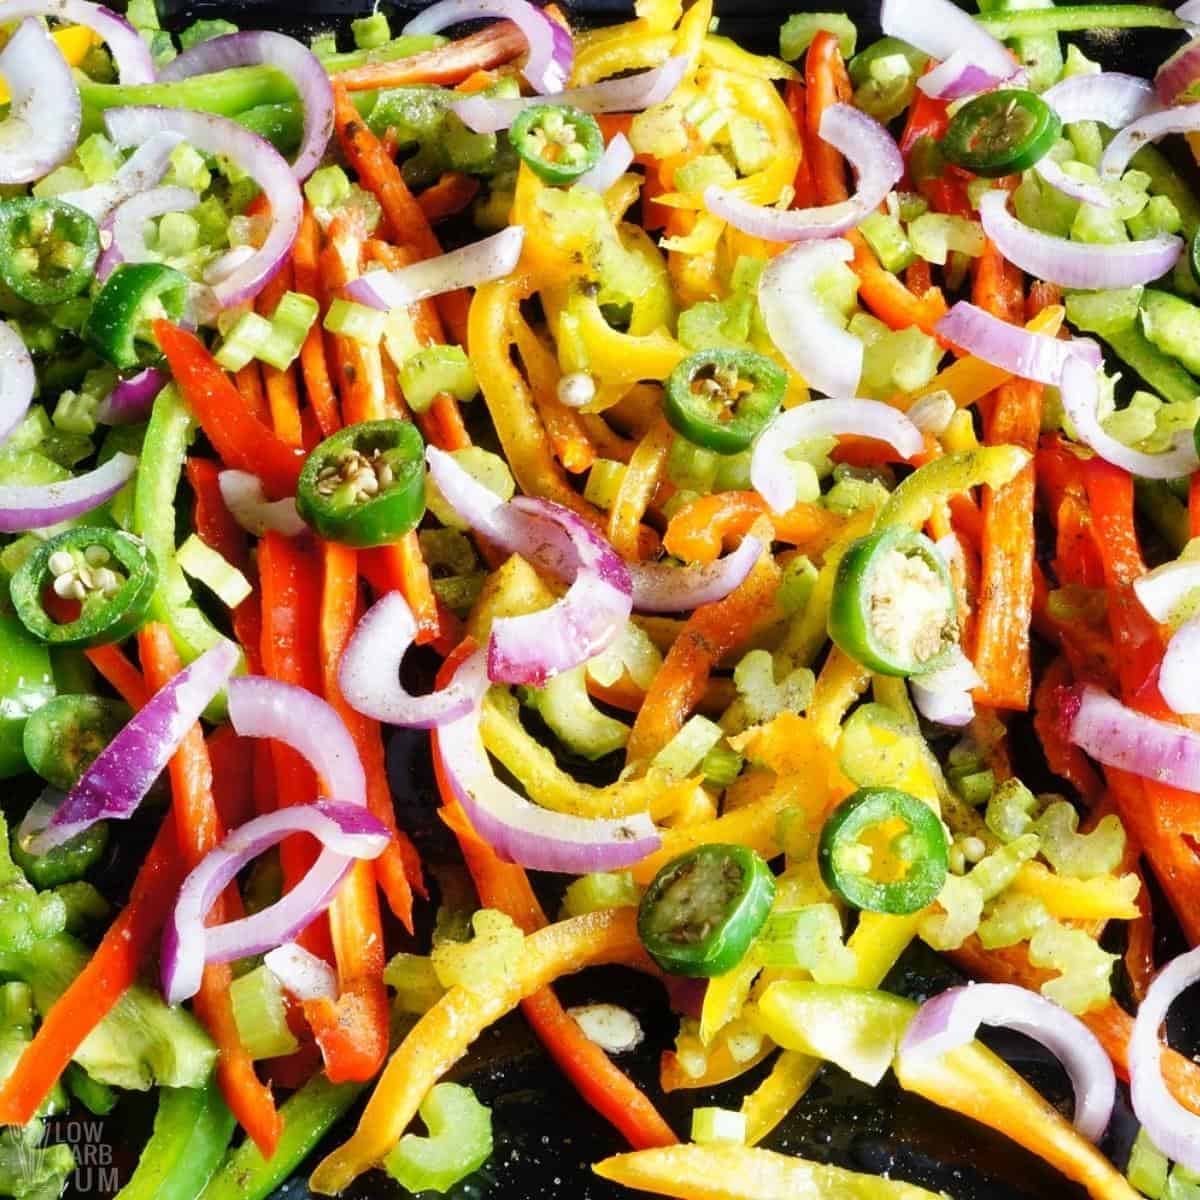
48, 249
723, 399
560, 144
1001, 133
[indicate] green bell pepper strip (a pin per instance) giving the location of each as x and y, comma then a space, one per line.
133, 297
26, 683
112, 573
1077, 18
557, 142
48, 249
703, 910
365, 485
98, 1098
844, 863
192, 1129
307, 1114
459, 1141
914, 501
1001, 133
874, 615
723, 399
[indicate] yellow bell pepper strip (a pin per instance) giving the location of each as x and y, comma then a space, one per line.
729, 56
691, 31
839, 685
646, 470
725, 996
1103, 898
74, 41
445, 1033
721, 1067
915, 500
730, 1172
602, 53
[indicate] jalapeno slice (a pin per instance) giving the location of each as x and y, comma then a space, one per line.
558, 143
723, 399
365, 485
134, 296
919, 847
1194, 255
109, 573
703, 910
894, 607
64, 737
48, 249
1001, 133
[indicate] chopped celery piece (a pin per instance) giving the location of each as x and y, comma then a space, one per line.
260, 1012
99, 158
799, 579
1010, 810
323, 44
63, 179
484, 467
203, 563
1079, 855
692, 467
75, 412
433, 371
1159, 216
598, 891
142, 14
327, 187
809, 939
292, 319
1103, 313
357, 321
178, 234
760, 697
851, 494
1043, 207
1147, 1169
1172, 325
711, 1126
750, 143
934, 235
704, 171
491, 955
247, 339
687, 749
1098, 226
415, 982
205, 31
976, 788
371, 32
721, 766
885, 235
566, 707
903, 360
459, 1141
188, 169
800, 28
1084, 968
604, 482
1014, 918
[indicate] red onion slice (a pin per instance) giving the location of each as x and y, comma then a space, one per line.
828, 357
44, 112
249, 153
517, 830
771, 471
132, 399
121, 775
305, 975
369, 675
17, 380
484, 114
1083, 190
1111, 98
659, 587
1155, 125
480, 262
1172, 1128
953, 1018
616, 160
284, 53
1130, 741
35, 506
345, 831
1079, 397
551, 50
944, 696
130, 53
1036, 356
876, 161
1179, 73
1161, 591
943, 31
1180, 669
246, 499
127, 226
1075, 264
144, 169
958, 77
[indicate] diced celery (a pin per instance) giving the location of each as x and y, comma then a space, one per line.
836, 290
371, 32
212, 221
260, 1012
435, 370
484, 467
62, 179
810, 939
203, 563
415, 982
691, 466
1013, 918
687, 749
1172, 325
323, 44
934, 235
348, 319
1137, 421
598, 891
459, 1141
1086, 142
712, 1126
161, 44
800, 28
290, 322
492, 954
903, 360
957, 915
1147, 1169
178, 234
75, 412
721, 766
245, 341
1098, 226
1084, 968
98, 157
703, 171
850, 494
760, 697
188, 169
142, 14
205, 31
1104, 313
751, 144
1010, 810
1080, 855
566, 707
886, 237
327, 187
632, 652
603, 482
1044, 207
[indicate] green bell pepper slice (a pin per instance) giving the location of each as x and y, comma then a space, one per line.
723, 399
26, 683
134, 296
1077, 18
365, 485
557, 142
703, 910
845, 862
48, 249
111, 573
1001, 133
914, 501
459, 1141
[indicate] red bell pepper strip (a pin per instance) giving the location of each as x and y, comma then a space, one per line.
796, 99
126, 680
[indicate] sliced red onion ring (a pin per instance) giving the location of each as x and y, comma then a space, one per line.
875, 159
1174, 1130
659, 587
132, 399
1083, 190
369, 675
17, 381
1075, 264
127, 226
1161, 591
246, 499
517, 830
346, 832
1183, 119
1179, 73
286, 54
480, 262
130, 53
943, 31
144, 169
121, 775
1180, 669
484, 114
551, 50
1080, 394
617, 157
305, 975
1036, 356
44, 113
828, 357
249, 153
35, 506
953, 1018
770, 470
944, 696
1111, 98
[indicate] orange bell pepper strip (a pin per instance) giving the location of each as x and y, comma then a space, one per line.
645, 472
796, 99
318, 387
239, 437
124, 678
232, 759
449, 1028
698, 531
198, 830
249, 384
452, 193
283, 397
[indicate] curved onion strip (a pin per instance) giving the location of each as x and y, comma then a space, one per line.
484, 114
551, 50
1161, 591
616, 160
127, 226
1111, 98
246, 499
517, 830
942, 30
131, 399
1075, 264
369, 675
35, 506
944, 696
875, 159
771, 471
953, 1018
249, 153
142, 170
17, 380
1180, 669
1084, 190
1079, 397
44, 112
130, 53
660, 587
305, 975
957, 77
825, 355
1155, 125
286, 54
